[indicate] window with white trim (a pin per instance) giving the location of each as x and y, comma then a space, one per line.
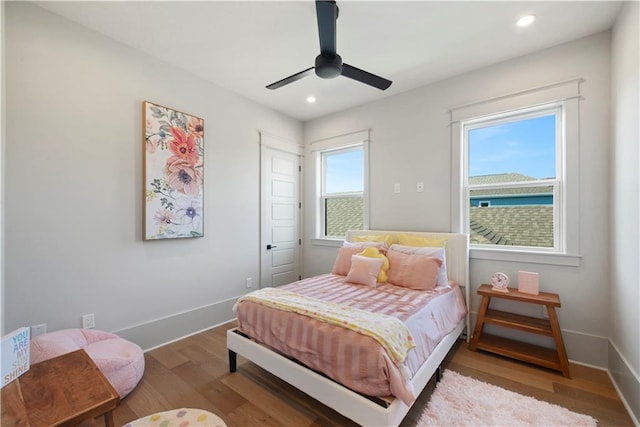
341, 165
513, 169
561, 186
342, 196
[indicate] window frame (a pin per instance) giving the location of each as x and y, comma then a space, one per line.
318, 148
566, 92
324, 196
557, 183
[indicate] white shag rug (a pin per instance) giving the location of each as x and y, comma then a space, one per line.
462, 401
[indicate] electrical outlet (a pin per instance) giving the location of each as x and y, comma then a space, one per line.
396, 188
88, 321
419, 186
38, 330
249, 282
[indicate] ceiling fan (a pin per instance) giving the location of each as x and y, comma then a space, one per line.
329, 64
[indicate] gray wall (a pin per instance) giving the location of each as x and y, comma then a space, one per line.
2, 156
624, 361
410, 142
73, 189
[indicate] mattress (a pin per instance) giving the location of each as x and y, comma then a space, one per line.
352, 359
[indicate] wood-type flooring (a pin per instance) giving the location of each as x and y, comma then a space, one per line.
194, 373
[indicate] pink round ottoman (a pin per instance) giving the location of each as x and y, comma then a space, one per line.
121, 361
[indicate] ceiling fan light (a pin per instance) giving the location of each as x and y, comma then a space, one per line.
526, 20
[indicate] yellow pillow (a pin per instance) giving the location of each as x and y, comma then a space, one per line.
383, 238
375, 253
410, 240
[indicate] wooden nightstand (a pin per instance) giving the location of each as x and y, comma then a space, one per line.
542, 356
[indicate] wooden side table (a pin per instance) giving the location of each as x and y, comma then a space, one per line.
542, 356
62, 391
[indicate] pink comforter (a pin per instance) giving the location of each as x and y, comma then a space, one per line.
352, 359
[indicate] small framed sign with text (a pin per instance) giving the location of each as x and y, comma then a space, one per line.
15, 354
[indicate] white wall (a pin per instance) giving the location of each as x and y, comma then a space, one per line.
2, 138
410, 142
624, 360
74, 186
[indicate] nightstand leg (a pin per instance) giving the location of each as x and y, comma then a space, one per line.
108, 419
557, 337
479, 322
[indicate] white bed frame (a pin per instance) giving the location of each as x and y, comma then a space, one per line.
343, 400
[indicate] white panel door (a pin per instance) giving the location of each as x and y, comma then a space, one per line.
280, 223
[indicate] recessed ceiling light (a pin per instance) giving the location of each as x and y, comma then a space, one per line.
526, 20
311, 99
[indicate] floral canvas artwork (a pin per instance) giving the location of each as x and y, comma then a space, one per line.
174, 173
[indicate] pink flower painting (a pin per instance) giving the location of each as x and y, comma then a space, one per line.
174, 173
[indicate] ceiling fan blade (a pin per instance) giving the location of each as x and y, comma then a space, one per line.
327, 13
291, 79
365, 77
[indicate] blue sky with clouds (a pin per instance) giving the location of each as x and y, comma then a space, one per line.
345, 171
526, 147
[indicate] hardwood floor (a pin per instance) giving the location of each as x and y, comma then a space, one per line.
194, 373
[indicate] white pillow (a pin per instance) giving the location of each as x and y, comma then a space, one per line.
443, 279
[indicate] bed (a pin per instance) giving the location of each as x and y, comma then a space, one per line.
375, 407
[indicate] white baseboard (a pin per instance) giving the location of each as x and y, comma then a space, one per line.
158, 332
626, 382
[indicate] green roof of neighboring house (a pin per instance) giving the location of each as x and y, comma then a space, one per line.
499, 178
506, 177
344, 214
512, 225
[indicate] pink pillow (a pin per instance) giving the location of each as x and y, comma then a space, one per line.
364, 270
342, 265
413, 271
443, 279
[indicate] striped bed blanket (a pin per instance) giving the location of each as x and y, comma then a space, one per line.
388, 331
350, 357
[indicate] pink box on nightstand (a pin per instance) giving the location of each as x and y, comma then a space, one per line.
528, 282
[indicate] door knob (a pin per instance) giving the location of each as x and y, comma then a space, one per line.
271, 246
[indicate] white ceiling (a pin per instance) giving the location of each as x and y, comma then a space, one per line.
243, 46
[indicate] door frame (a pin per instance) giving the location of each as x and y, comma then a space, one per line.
274, 142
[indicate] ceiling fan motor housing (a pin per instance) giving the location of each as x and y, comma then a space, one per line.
327, 66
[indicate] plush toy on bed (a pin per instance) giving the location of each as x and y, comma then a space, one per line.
373, 252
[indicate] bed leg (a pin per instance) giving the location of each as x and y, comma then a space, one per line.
439, 373
232, 361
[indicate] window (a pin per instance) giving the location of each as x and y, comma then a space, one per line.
342, 198
512, 179
477, 151
341, 186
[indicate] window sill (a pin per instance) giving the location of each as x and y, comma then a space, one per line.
334, 243
549, 258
